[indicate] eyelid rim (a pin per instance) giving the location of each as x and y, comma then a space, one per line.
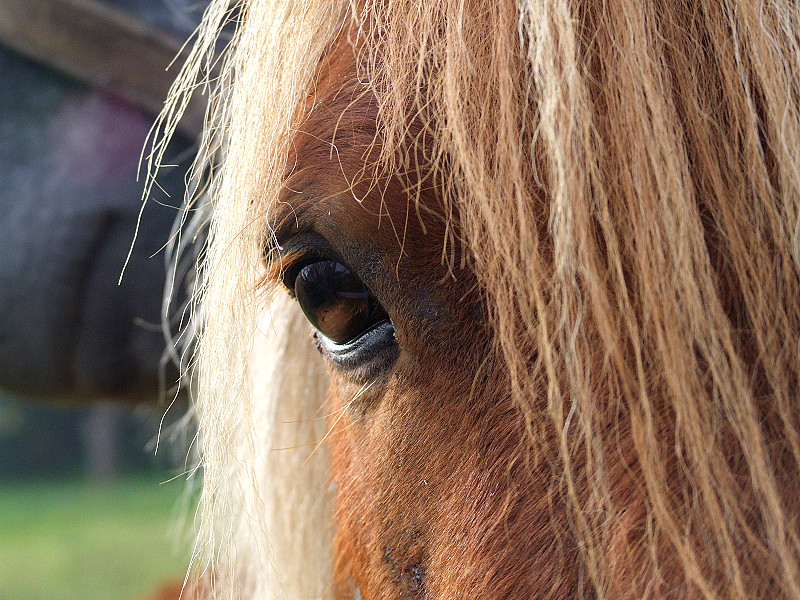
288, 274
300, 250
289, 253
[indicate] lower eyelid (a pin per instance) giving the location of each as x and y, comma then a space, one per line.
366, 357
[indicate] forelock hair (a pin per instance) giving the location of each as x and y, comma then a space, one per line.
623, 179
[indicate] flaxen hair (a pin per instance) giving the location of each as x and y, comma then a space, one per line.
626, 179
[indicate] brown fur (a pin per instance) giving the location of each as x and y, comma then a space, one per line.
481, 518
582, 218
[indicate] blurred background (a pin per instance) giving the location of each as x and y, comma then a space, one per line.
88, 508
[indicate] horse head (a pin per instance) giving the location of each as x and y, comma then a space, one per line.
500, 301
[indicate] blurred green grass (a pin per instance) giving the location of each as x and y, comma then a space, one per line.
76, 539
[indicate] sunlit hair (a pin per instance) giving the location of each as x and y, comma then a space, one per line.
626, 176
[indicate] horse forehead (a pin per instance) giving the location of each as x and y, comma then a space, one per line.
342, 220
333, 189
334, 184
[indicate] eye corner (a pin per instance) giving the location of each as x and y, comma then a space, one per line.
286, 259
287, 274
286, 268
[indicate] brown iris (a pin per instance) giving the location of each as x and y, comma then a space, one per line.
335, 301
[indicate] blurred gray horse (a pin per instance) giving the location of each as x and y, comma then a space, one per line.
70, 203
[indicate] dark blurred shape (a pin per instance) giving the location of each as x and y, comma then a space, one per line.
69, 204
178, 17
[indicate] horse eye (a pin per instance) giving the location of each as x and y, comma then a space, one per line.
335, 301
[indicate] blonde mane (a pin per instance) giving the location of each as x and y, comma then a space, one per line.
626, 176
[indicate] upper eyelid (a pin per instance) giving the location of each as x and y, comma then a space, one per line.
303, 247
305, 242
308, 244
282, 263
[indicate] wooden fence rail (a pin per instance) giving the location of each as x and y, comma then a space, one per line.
98, 45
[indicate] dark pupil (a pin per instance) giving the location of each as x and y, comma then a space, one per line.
334, 300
